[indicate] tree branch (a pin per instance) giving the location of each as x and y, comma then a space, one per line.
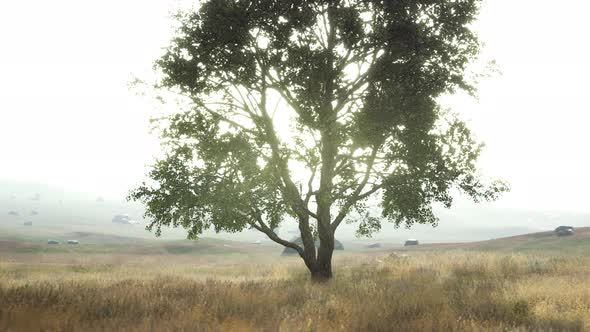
223, 118
310, 191
357, 196
262, 227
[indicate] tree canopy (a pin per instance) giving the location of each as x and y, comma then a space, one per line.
300, 111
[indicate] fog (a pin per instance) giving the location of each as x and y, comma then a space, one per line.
69, 121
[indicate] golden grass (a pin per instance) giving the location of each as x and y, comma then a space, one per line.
449, 291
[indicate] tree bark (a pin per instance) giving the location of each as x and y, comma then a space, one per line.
322, 274
320, 266
323, 271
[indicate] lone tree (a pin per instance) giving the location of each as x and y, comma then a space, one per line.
302, 111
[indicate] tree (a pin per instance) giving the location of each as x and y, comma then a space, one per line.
357, 82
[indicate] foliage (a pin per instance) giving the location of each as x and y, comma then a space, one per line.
357, 81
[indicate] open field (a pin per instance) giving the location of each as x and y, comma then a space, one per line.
448, 290
93, 243
543, 242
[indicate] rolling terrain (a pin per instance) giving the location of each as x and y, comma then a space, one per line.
436, 290
56, 211
531, 282
578, 244
108, 244
34, 241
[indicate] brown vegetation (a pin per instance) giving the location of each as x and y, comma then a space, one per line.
542, 241
452, 291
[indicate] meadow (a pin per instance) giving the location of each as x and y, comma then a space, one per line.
451, 290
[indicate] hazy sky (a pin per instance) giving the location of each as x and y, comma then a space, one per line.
67, 117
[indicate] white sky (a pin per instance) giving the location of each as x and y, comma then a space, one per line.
67, 117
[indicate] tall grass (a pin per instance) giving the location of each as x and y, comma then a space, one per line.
452, 291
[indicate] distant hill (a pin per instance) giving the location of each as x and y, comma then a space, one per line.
97, 243
54, 210
579, 243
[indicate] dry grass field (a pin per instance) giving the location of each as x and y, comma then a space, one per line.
452, 290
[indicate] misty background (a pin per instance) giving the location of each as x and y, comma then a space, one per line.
74, 138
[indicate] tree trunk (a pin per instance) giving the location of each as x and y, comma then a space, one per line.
323, 270
329, 150
320, 267
322, 275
